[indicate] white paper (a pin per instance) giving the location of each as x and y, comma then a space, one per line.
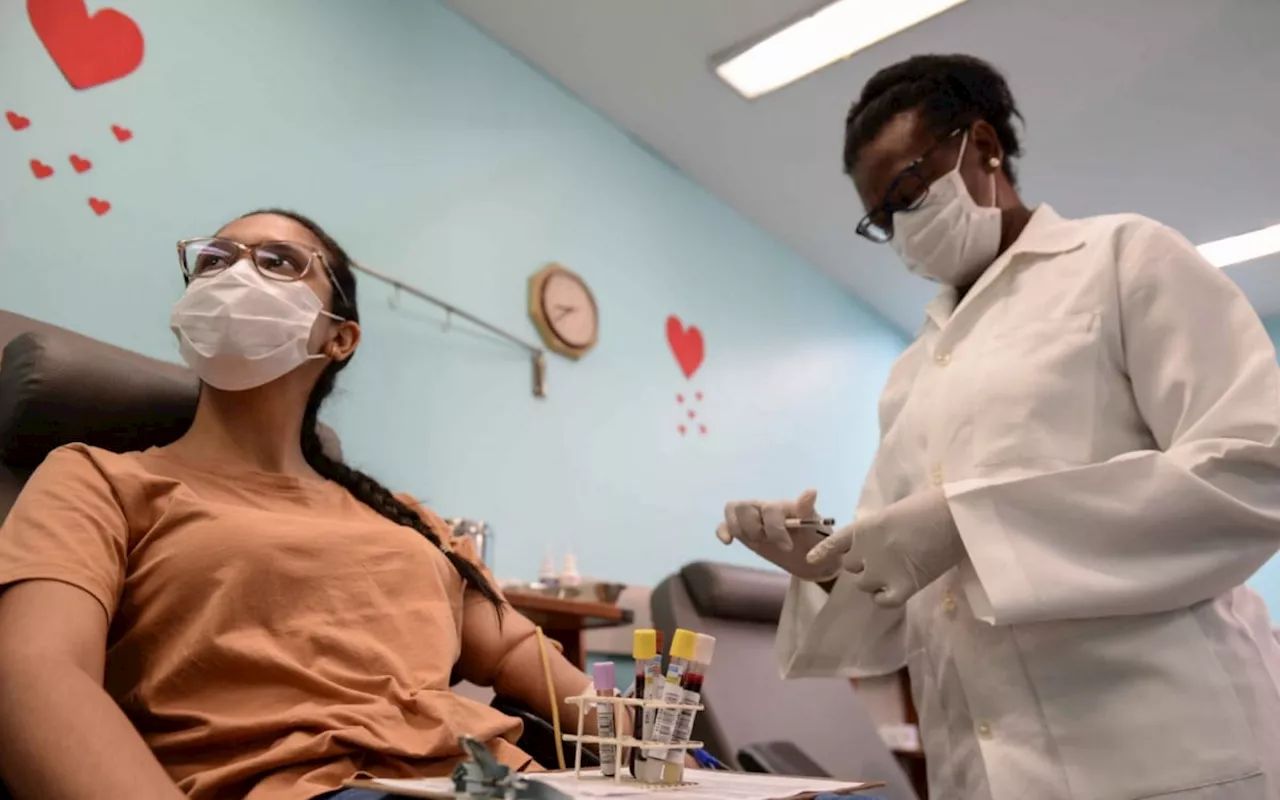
708, 785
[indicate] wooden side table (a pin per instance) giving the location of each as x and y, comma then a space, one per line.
566, 620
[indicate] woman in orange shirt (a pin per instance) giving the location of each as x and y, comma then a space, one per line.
238, 614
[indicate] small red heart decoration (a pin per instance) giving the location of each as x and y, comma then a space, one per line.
80, 164
686, 345
122, 134
17, 121
89, 49
99, 207
40, 169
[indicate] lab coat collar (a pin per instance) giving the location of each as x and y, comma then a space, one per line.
1046, 233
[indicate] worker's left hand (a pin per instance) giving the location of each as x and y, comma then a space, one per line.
900, 550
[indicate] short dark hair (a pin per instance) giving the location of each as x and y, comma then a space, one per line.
950, 92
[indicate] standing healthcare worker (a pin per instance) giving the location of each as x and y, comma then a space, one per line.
1079, 467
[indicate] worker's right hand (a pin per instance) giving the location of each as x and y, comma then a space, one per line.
762, 527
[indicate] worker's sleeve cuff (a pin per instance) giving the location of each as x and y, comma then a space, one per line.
843, 634
995, 584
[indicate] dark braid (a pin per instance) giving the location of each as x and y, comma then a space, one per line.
361, 486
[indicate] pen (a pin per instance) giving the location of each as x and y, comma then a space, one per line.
791, 524
706, 760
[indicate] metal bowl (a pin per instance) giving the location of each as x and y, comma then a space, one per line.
607, 592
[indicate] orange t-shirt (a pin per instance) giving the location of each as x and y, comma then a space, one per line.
271, 637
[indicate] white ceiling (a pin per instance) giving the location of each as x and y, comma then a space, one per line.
1170, 108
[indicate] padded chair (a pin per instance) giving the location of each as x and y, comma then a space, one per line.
754, 719
57, 387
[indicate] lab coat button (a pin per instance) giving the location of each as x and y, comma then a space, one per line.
937, 475
949, 602
984, 730
943, 359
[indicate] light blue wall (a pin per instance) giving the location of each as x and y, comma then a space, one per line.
1267, 580
434, 154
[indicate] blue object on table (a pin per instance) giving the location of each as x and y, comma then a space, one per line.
706, 760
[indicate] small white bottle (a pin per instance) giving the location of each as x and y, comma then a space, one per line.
569, 575
547, 572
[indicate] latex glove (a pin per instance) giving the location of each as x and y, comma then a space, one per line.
897, 552
761, 526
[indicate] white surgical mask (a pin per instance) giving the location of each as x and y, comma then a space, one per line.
949, 238
239, 329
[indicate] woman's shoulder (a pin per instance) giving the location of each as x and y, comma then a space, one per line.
85, 459
81, 467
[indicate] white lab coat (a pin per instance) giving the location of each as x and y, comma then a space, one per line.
1103, 410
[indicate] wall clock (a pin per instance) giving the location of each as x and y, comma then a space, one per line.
564, 311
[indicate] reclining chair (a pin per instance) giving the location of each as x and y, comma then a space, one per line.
754, 720
58, 387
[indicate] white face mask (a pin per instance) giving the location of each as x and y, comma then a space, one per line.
239, 329
949, 238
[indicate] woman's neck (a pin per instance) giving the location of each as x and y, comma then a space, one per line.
1013, 221
257, 429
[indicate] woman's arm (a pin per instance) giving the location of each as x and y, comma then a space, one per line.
505, 654
507, 658
61, 736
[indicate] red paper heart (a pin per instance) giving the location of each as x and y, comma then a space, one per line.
80, 164
40, 169
122, 134
686, 345
16, 120
89, 49
99, 207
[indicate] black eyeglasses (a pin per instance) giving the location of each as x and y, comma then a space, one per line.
907, 191
279, 261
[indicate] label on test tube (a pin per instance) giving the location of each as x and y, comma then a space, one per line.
703, 651
648, 657
602, 676
664, 728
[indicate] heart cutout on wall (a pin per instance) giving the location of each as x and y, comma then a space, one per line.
89, 49
686, 345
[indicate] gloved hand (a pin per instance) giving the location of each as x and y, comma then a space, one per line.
761, 526
897, 552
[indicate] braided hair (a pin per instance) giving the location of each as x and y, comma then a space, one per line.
360, 485
948, 92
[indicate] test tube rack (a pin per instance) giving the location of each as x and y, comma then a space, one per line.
620, 704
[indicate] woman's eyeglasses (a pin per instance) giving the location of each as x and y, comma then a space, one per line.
279, 261
907, 191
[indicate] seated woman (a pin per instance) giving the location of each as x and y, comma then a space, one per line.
238, 614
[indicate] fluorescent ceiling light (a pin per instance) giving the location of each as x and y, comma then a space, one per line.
1245, 247
830, 34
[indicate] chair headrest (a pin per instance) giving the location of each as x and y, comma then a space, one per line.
61, 387
738, 593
